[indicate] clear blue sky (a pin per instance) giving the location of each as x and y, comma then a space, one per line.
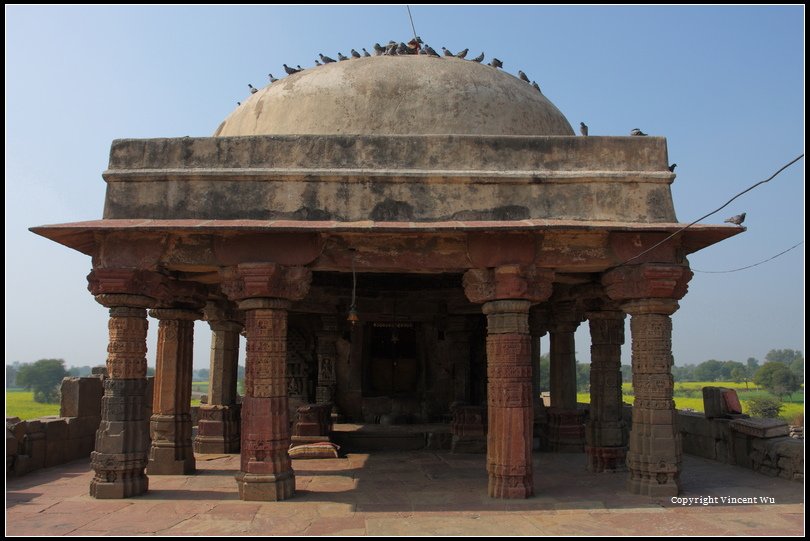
724, 85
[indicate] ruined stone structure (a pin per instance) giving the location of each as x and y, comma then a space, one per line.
472, 221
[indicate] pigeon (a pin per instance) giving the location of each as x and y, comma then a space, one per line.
318, 63
447, 52
637, 132
495, 63
413, 46
272, 79
252, 90
238, 103
523, 76
355, 54
422, 51
378, 49
365, 53
402, 49
462, 54
391, 48
326, 59
289, 70
536, 86
341, 56
583, 129
479, 58
736, 220
429, 50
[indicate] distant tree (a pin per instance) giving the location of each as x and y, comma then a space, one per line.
150, 371
43, 377
201, 374
728, 367
797, 367
11, 374
545, 364
583, 377
752, 364
764, 406
784, 356
777, 378
79, 371
710, 370
627, 373
684, 373
740, 374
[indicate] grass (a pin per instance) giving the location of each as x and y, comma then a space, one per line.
199, 386
688, 395
21, 404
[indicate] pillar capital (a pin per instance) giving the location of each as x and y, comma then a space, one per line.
182, 314
565, 316
146, 285
614, 314
647, 281
539, 320
508, 282
505, 317
265, 280
223, 315
651, 306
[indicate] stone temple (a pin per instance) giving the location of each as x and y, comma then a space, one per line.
392, 235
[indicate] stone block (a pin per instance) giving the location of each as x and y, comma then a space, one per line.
81, 397
713, 402
761, 428
55, 428
55, 451
100, 371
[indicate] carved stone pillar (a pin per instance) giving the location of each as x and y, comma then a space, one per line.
605, 446
171, 452
649, 293
538, 327
327, 355
122, 439
507, 293
218, 425
264, 292
565, 422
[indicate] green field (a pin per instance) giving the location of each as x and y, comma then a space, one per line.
689, 395
21, 404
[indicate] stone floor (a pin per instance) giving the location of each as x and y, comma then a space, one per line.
403, 493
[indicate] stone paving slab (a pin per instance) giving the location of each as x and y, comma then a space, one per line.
403, 493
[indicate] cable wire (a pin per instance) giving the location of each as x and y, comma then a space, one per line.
411, 18
750, 266
727, 203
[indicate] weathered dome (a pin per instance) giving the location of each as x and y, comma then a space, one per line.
396, 95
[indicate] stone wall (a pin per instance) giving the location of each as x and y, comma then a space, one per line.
762, 445
53, 440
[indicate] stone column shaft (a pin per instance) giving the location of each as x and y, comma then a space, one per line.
654, 457
170, 427
218, 425
566, 430
459, 337
327, 355
605, 445
266, 471
649, 293
122, 439
509, 397
563, 362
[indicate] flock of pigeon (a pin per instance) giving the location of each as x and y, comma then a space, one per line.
415, 46
418, 47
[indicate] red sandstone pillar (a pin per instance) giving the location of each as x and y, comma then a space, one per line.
170, 426
122, 438
327, 355
649, 292
264, 292
507, 293
605, 446
566, 422
218, 425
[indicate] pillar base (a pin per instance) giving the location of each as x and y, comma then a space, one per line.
566, 430
266, 487
606, 459
510, 487
217, 429
118, 476
162, 461
654, 479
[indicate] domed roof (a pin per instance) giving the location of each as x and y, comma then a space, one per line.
397, 95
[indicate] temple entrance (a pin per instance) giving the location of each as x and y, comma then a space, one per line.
391, 372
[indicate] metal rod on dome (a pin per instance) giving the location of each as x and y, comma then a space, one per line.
411, 18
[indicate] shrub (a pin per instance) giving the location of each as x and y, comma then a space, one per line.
763, 406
